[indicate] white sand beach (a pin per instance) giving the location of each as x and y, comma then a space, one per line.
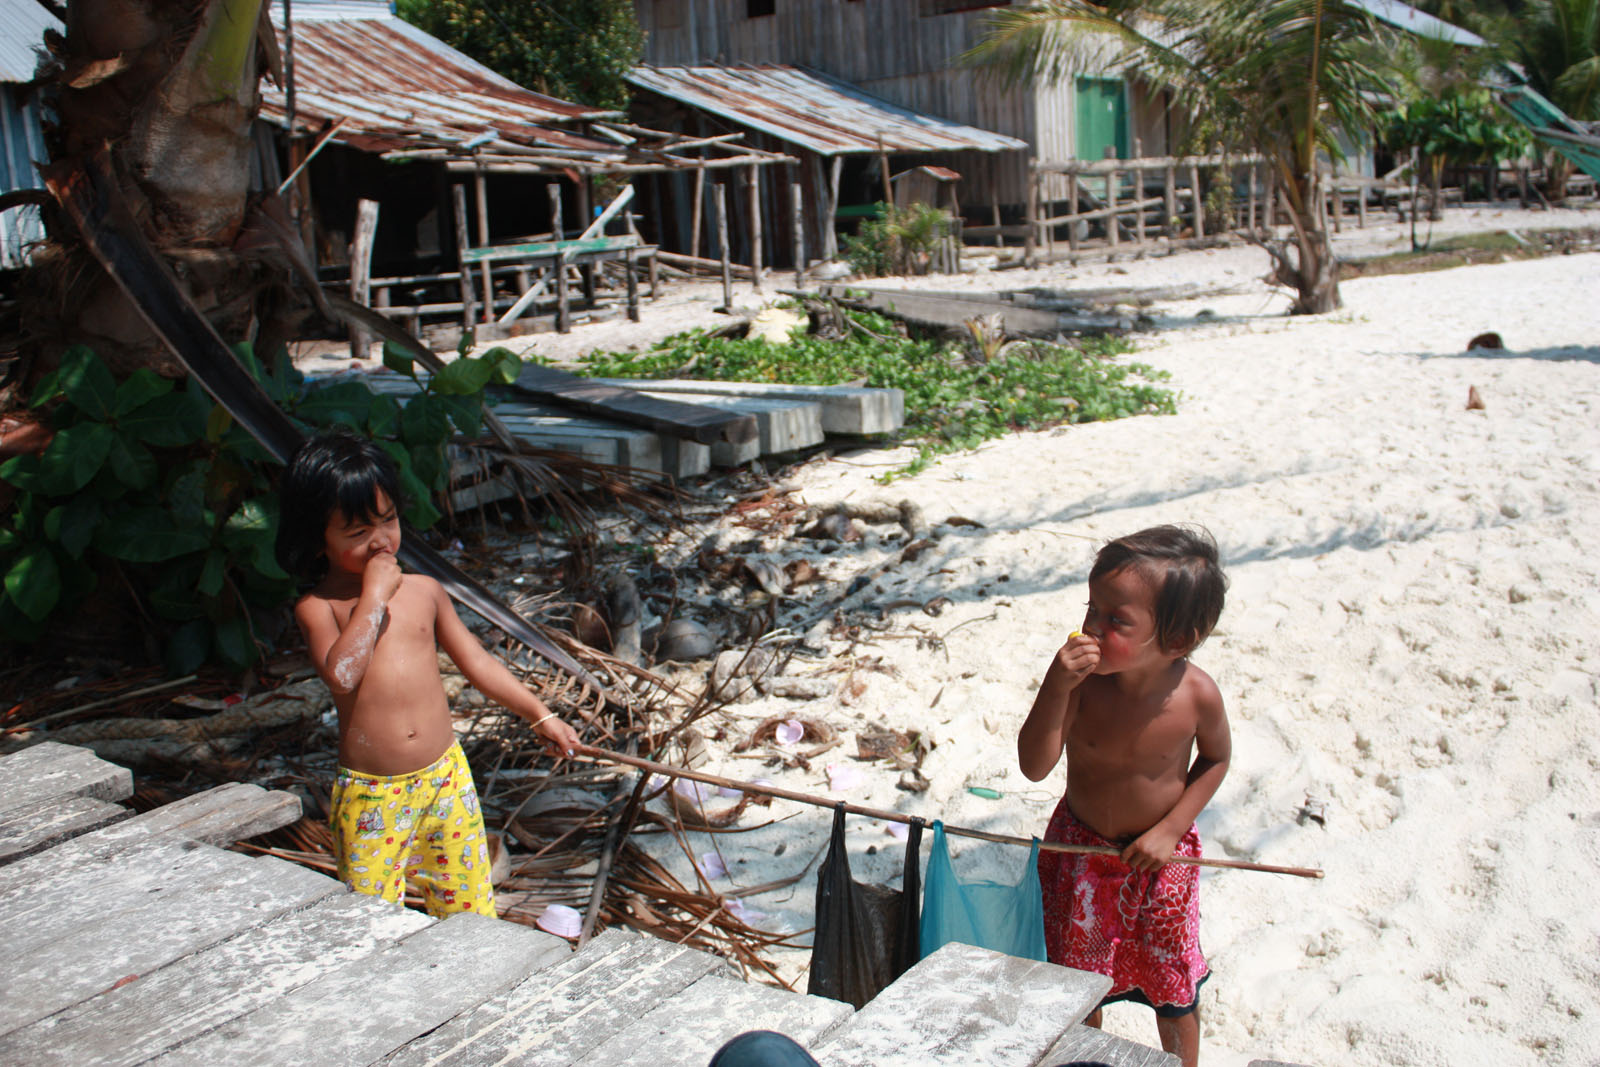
1408, 650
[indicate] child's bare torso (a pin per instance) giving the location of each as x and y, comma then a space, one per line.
398, 719
1128, 756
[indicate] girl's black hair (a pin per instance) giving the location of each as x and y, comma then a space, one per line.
337, 470
1182, 562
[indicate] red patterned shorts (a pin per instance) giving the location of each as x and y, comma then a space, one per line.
1140, 929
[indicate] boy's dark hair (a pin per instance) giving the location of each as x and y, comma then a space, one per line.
1182, 562
336, 470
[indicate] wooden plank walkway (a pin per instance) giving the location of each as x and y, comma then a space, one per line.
140, 941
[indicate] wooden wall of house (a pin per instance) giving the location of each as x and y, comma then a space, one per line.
886, 47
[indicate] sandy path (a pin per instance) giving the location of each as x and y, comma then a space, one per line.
1409, 641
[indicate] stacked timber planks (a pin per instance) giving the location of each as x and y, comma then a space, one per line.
680, 428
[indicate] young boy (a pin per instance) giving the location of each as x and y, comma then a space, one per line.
1147, 745
404, 807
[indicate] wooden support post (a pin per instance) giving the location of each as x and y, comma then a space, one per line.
361, 270
1113, 223
830, 224
1361, 205
883, 165
994, 211
1336, 199
563, 305
480, 185
1250, 199
1271, 196
632, 271
721, 193
755, 225
1170, 224
1044, 209
799, 235
468, 303
1072, 209
655, 278
1030, 225
1199, 206
1138, 198
557, 230
699, 204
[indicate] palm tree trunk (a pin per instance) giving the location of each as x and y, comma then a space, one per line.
172, 87
1312, 271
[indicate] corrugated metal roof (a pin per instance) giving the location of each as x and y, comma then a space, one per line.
1420, 23
22, 26
813, 110
395, 85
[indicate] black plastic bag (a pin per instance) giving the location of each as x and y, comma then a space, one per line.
866, 935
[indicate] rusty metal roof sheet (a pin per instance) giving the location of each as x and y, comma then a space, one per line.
815, 111
396, 86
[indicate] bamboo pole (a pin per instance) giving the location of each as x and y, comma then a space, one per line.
600, 755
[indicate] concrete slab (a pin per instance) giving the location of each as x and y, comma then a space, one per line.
127, 1025
134, 934
965, 1005
561, 1014
369, 1007
689, 1028
845, 408
52, 770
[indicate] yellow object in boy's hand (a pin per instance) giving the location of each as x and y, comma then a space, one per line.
1075, 633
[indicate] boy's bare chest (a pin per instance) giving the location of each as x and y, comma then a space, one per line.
1123, 731
407, 620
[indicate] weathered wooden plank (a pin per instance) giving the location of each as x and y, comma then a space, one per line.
34, 827
51, 769
219, 816
944, 311
689, 1028
369, 1007
547, 249
134, 934
1085, 1044
128, 1025
845, 408
559, 1015
634, 447
697, 424
965, 1005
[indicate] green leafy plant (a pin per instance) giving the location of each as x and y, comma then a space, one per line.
951, 403
148, 481
898, 240
1458, 125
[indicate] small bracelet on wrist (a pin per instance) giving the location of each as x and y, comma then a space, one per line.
535, 723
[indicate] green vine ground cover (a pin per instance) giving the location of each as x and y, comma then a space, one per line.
952, 402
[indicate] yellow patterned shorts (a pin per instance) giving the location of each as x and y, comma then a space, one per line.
424, 828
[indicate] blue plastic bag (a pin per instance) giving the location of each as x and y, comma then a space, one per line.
1004, 918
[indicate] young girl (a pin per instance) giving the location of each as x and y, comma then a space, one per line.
404, 807
1147, 745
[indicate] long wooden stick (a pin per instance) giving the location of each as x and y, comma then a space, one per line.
666, 769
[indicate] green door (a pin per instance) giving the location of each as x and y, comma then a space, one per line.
1102, 118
